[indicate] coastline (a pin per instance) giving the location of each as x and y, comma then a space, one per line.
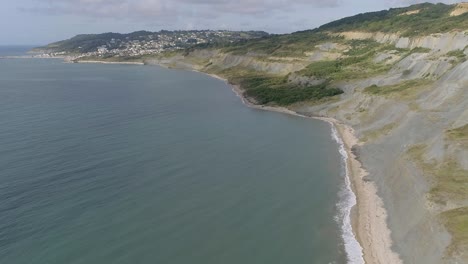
66, 60
369, 219
366, 216
111, 62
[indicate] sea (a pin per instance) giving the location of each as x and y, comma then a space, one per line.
125, 164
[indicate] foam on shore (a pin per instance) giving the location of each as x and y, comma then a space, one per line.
347, 202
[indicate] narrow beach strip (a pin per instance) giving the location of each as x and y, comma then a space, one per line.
366, 233
345, 205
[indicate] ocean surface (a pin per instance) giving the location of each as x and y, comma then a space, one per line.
141, 164
13, 51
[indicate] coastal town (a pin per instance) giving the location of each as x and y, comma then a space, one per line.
140, 43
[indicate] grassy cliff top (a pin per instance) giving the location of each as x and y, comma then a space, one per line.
415, 20
412, 21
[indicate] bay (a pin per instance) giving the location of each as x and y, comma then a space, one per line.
141, 164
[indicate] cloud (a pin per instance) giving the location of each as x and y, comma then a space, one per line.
395, 3
168, 9
99, 8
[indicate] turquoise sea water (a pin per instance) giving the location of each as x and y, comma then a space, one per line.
140, 164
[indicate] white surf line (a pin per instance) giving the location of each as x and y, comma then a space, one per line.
353, 249
348, 201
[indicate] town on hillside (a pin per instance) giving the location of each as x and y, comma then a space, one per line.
141, 43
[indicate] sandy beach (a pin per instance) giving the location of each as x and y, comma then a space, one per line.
369, 217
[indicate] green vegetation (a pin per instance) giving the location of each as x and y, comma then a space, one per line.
450, 181
348, 68
276, 90
458, 54
405, 73
374, 134
420, 50
403, 90
323, 69
431, 18
459, 135
456, 221
268, 89
285, 95
290, 45
84, 43
363, 47
357, 63
115, 41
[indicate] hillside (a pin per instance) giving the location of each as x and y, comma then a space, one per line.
416, 20
399, 78
144, 42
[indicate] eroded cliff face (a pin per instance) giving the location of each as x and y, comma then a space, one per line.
390, 127
460, 9
442, 42
406, 144
411, 121
257, 64
204, 59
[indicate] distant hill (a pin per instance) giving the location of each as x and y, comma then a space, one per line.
176, 39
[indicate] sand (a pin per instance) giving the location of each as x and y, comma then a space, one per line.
369, 218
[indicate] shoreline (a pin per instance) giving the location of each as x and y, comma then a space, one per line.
110, 62
365, 231
365, 218
64, 58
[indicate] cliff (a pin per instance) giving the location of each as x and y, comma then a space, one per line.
409, 113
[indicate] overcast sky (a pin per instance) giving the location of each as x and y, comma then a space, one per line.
43, 21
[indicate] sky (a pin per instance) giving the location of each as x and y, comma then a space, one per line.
37, 22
